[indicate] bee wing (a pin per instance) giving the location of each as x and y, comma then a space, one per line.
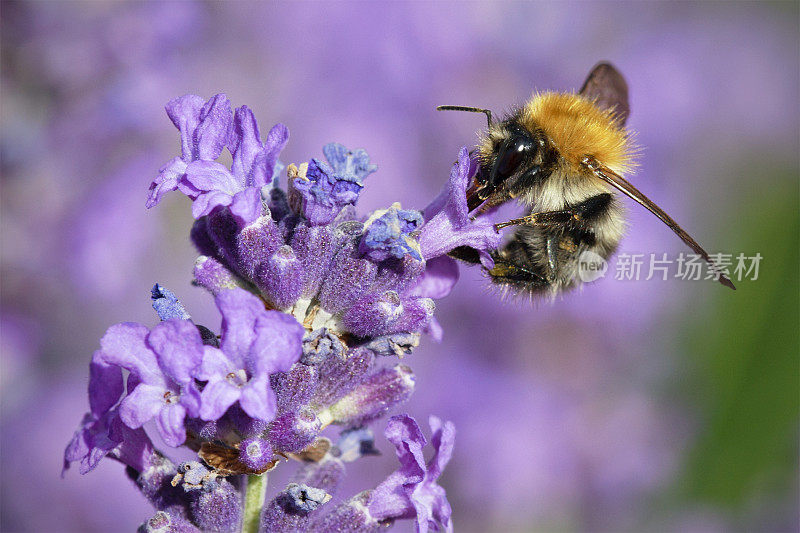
625, 187
606, 86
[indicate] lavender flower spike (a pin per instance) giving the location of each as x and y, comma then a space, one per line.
412, 491
255, 343
313, 297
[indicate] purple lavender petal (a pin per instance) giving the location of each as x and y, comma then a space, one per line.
216, 397
258, 399
322, 193
447, 223
210, 176
124, 345
179, 348
246, 143
441, 274
184, 112
168, 179
142, 405
213, 130
246, 206
443, 440
105, 385
239, 310
170, 424
100, 436
278, 343
267, 160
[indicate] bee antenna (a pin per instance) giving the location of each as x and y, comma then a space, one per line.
469, 109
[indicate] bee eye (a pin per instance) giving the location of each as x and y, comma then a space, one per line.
510, 155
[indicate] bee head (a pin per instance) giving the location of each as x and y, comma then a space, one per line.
517, 153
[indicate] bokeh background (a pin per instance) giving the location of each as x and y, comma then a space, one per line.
631, 406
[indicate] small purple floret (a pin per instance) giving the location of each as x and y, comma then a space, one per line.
448, 225
412, 491
255, 343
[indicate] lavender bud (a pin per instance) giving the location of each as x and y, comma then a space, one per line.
295, 387
293, 432
376, 395
326, 474
256, 243
280, 278
163, 522
219, 509
155, 482
213, 275
351, 516
338, 376
255, 453
349, 279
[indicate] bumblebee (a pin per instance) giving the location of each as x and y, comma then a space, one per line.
564, 157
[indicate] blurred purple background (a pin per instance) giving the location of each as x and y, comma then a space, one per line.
570, 416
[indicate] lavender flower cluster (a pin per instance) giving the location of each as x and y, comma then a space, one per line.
316, 302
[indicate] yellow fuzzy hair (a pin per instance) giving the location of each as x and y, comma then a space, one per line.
577, 128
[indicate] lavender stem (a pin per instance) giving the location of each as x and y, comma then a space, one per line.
254, 502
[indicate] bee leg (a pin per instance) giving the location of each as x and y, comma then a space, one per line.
510, 273
576, 215
549, 218
552, 254
485, 204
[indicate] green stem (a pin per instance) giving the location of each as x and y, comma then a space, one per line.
254, 502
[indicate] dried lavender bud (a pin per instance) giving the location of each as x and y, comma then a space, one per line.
289, 510
319, 345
